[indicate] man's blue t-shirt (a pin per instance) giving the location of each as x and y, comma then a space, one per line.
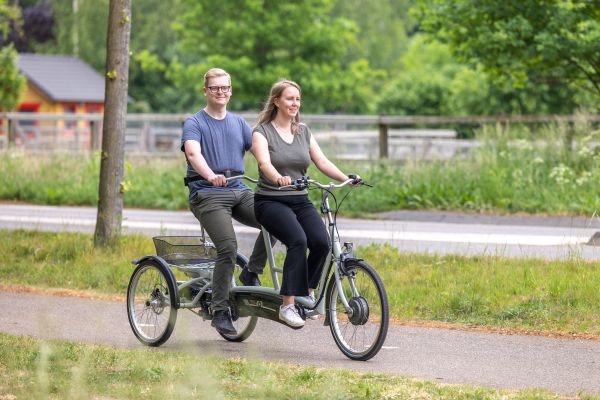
223, 143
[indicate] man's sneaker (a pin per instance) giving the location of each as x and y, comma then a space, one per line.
290, 316
222, 322
249, 278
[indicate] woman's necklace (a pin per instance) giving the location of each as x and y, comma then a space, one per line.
279, 128
286, 134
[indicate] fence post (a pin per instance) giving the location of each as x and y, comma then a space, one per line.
95, 132
383, 140
11, 133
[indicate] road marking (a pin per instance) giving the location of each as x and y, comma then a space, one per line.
391, 236
458, 237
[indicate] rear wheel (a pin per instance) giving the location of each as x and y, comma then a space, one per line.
151, 303
360, 331
243, 325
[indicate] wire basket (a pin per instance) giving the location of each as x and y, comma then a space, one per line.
185, 250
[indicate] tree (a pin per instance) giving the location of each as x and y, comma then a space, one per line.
110, 204
260, 41
10, 18
34, 25
11, 80
153, 45
79, 30
382, 29
555, 43
431, 81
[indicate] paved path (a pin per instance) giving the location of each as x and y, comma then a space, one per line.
412, 231
449, 356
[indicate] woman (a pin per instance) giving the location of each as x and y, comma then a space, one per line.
284, 148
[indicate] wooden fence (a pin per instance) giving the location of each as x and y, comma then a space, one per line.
348, 136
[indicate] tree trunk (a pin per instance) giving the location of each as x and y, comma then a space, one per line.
110, 203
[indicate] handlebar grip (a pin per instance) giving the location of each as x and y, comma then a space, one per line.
355, 179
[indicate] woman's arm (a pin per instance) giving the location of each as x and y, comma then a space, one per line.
260, 150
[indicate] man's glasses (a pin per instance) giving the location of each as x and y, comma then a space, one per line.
215, 89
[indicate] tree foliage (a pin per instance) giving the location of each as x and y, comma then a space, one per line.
10, 18
153, 46
485, 57
11, 81
431, 81
33, 24
382, 31
80, 30
260, 41
543, 42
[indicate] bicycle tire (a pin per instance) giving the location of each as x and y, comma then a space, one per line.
243, 325
361, 333
152, 302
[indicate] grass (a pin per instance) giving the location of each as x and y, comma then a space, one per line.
514, 171
35, 369
490, 292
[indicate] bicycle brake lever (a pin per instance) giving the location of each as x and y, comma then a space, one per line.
356, 180
301, 183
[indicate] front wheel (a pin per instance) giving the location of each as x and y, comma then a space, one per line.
151, 303
360, 330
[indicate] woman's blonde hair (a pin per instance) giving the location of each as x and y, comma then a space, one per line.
269, 111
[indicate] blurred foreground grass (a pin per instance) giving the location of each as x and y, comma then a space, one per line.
35, 369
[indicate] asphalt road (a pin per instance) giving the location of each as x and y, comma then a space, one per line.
449, 356
565, 366
441, 233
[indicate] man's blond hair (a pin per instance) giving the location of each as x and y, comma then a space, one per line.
215, 73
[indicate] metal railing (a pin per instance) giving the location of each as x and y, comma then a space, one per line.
340, 136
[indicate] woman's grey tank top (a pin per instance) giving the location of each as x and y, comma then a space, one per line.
289, 159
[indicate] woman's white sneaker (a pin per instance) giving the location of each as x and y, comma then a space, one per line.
290, 316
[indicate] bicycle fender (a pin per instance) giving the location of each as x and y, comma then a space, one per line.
172, 282
349, 262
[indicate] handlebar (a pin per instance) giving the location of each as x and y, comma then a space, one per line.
304, 182
231, 178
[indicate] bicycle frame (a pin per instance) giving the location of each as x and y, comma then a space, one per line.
334, 256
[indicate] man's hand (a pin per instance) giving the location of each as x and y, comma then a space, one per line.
217, 180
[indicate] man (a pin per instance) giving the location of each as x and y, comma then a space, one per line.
214, 141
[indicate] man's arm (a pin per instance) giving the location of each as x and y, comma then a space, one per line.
196, 159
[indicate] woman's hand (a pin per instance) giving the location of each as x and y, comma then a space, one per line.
284, 181
356, 179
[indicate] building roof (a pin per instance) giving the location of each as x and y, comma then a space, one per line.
63, 78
